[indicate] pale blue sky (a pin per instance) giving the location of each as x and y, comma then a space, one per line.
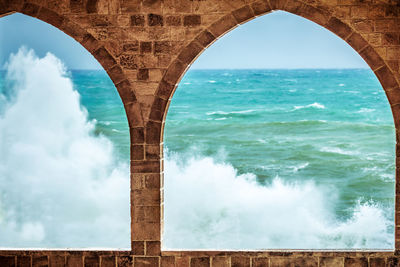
276, 40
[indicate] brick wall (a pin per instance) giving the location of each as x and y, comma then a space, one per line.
146, 46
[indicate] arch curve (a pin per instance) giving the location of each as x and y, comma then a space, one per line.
322, 16
91, 44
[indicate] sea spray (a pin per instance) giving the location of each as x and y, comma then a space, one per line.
208, 205
60, 184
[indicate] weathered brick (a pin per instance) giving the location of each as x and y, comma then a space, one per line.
125, 261
240, 261
74, 261
57, 261
355, 262
331, 262
146, 261
173, 21
153, 248
50, 17
30, 9
260, 262
372, 58
137, 20
40, 261
91, 6
377, 262
23, 261
155, 20
260, 7
143, 74
92, 261
168, 261
7, 261
200, 262
108, 261
339, 28
357, 41
222, 25
192, 20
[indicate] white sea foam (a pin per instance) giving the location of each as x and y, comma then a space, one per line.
300, 166
230, 112
313, 105
209, 206
366, 110
341, 84
60, 185
338, 150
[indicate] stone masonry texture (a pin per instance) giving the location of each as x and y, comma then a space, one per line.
146, 46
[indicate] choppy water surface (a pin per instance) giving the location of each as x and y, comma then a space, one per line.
279, 159
255, 159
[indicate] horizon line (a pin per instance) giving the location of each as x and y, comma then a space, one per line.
305, 68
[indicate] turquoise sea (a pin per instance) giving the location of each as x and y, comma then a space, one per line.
259, 159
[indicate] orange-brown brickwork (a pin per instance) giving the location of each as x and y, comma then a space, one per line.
146, 46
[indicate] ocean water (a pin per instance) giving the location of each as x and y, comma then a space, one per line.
279, 159
255, 159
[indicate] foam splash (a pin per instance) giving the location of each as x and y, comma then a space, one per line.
209, 206
313, 105
60, 185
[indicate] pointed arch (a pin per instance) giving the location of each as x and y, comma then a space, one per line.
323, 16
91, 44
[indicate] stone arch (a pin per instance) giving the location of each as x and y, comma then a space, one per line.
323, 16
91, 44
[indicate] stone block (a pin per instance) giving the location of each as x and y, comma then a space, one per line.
116, 74
355, 262
240, 261
357, 41
7, 261
92, 261
155, 20
173, 20
137, 20
146, 261
223, 25
331, 262
50, 17
377, 262
200, 262
57, 261
24, 261
125, 261
260, 7
192, 20
339, 28
243, 14
108, 261
386, 78
372, 58
104, 57
74, 261
153, 248
260, 262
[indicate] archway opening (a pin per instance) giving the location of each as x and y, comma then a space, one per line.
293, 153
64, 143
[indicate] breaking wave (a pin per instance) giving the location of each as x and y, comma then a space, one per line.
60, 184
208, 205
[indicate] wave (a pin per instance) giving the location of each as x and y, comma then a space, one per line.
337, 150
313, 105
366, 110
60, 184
208, 205
230, 112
